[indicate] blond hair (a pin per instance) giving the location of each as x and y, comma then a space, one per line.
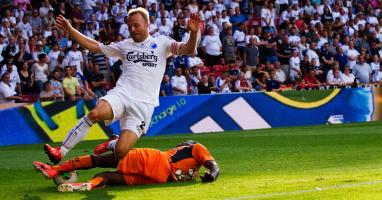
143, 12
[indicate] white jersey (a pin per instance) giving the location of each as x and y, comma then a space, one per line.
143, 65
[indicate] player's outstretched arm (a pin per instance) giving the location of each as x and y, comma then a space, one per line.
193, 26
213, 174
83, 40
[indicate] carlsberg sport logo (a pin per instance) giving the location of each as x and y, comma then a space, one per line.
147, 59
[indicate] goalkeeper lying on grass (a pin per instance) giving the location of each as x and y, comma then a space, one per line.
139, 166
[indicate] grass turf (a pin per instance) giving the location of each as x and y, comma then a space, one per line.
318, 162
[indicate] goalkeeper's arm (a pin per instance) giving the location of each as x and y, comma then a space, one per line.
213, 174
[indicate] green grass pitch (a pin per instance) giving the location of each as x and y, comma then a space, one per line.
317, 162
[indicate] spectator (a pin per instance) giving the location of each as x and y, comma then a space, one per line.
74, 58
102, 62
26, 81
10, 51
5, 28
272, 84
2, 46
352, 55
378, 77
375, 66
341, 58
48, 93
204, 86
242, 84
7, 94
294, 64
279, 73
36, 22
239, 37
222, 83
56, 84
14, 78
362, 71
310, 80
25, 27
228, 46
284, 52
311, 53
166, 87
194, 61
124, 30
326, 58
335, 80
347, 77
40, 72
53, 57
269, 49
85, 91
71, 86
251, 54
212, 47
38, 50
164, 28
179, 83
23, 55
98, 82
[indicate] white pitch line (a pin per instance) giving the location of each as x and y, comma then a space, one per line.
318, 189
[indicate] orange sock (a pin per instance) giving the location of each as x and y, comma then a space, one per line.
97, 182
82, 162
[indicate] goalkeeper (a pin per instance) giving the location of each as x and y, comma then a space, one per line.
139, 166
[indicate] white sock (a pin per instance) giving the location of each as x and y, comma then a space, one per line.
76, 135
112, 144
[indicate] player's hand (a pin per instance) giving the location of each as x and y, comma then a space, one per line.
193, 22
63, 23
207, 177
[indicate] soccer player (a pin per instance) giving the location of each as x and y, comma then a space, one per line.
139, 166
133, 99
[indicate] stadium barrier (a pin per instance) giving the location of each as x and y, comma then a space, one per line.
50, 121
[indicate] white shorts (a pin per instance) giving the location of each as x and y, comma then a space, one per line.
133, 115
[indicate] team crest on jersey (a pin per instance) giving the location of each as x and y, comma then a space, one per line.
141, 128
153, 45
147, 59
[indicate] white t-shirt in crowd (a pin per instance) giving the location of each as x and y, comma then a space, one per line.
193, 61
14, 77
294, 63
6, 91
74, 58
124, 31
312, 54
39, 72
347, 78
239, 37
26, 30
212, 45
179, 82
143, 65
294, 39
53, 57
378, 77
352, 53
165, 30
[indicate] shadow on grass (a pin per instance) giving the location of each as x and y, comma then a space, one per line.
103, 194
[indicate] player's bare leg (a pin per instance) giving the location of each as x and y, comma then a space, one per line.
125, 142
102, 111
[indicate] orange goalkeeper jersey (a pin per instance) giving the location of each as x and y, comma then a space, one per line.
145, 165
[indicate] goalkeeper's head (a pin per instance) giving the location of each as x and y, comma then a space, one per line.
187, 143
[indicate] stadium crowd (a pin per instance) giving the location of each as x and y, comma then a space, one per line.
243, 45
